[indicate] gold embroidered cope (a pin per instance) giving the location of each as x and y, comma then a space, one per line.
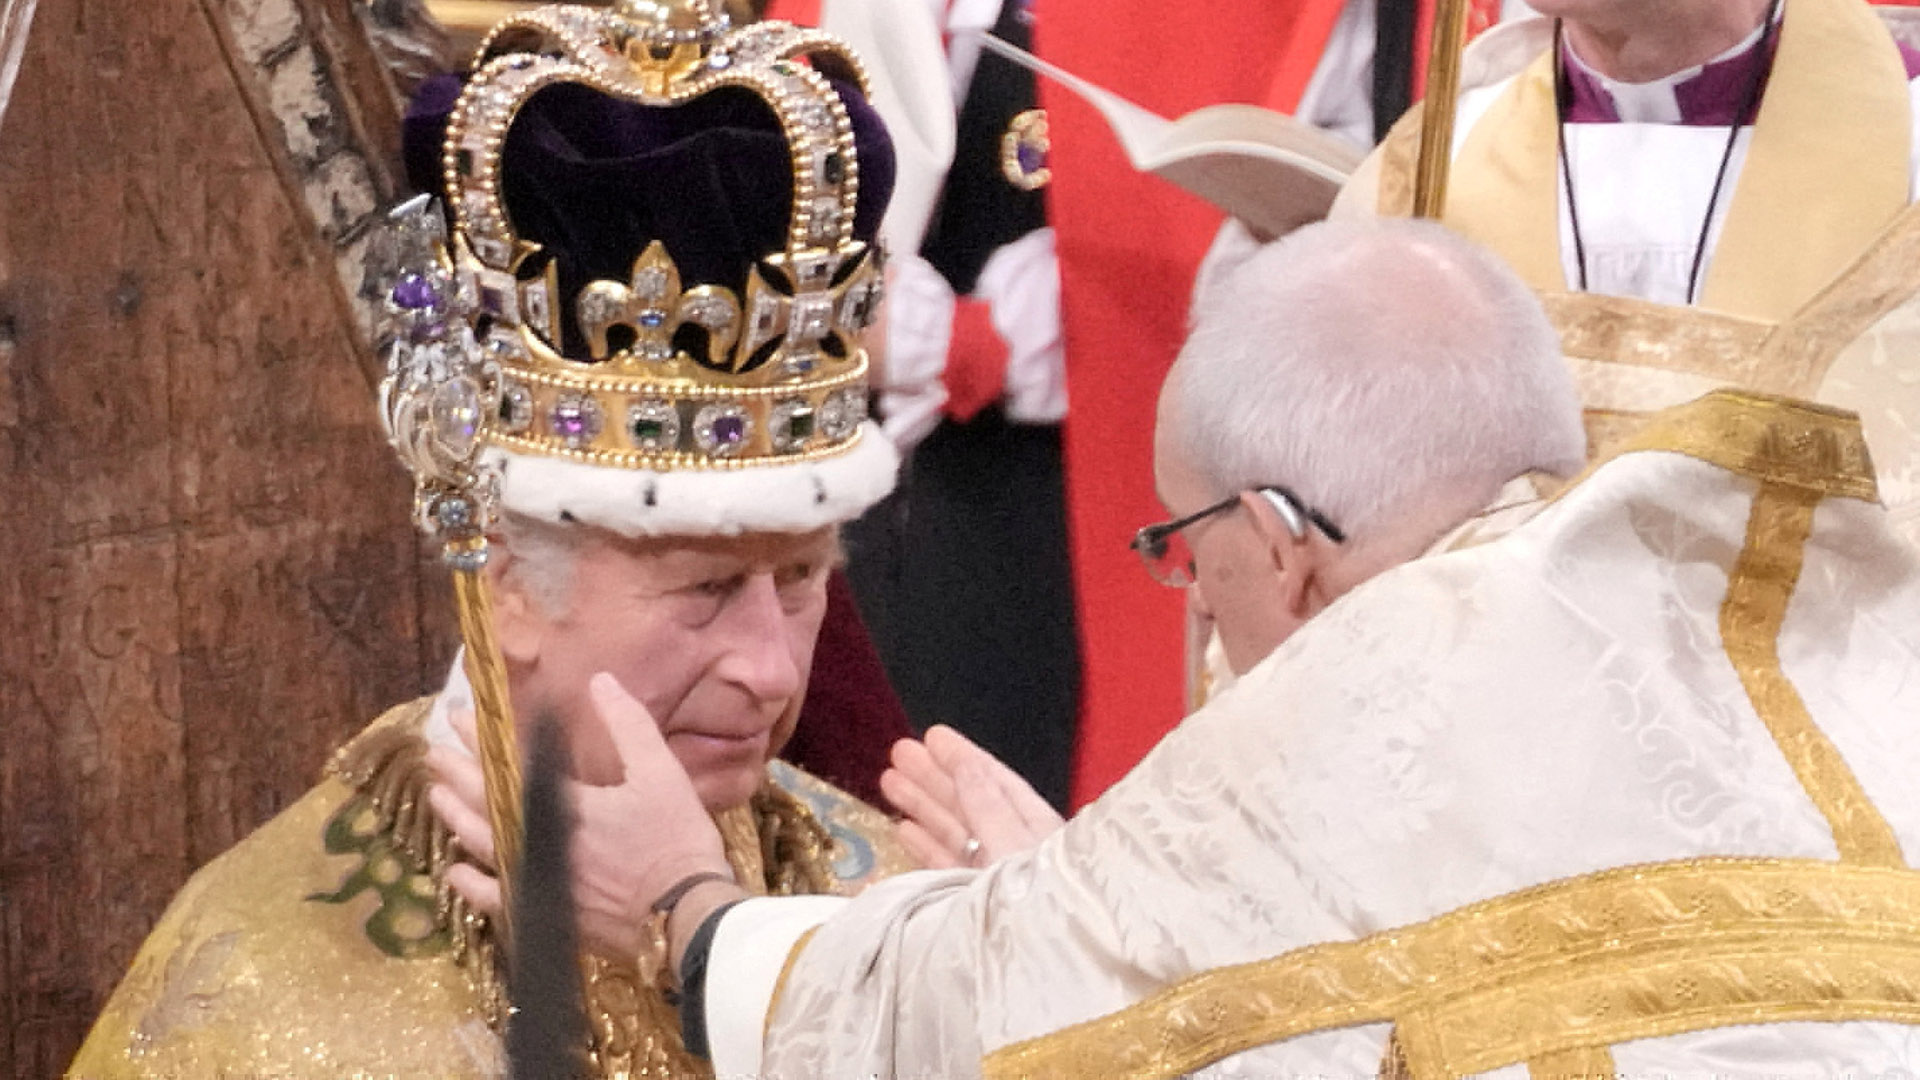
1553, 975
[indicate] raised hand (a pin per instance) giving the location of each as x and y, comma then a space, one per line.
962, 806
632, 841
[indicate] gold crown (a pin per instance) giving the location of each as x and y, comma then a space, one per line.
703, 378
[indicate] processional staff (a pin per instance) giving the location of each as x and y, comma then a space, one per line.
1437, 108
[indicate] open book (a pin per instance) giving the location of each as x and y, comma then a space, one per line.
1273, 172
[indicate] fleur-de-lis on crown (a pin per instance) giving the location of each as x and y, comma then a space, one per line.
811, 300
652, 305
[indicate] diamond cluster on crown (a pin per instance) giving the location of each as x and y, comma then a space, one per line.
683, 375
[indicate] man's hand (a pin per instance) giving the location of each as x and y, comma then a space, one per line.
952, 792
631, 842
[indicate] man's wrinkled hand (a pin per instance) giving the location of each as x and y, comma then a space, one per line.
950, 792
632, 841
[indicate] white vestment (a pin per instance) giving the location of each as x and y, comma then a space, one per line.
1553, 704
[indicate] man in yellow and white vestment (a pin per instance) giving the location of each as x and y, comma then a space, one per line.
1705, 193
1625, 791
676, 442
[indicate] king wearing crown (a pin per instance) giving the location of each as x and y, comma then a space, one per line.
624, 366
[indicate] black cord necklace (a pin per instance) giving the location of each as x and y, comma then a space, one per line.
1563, 101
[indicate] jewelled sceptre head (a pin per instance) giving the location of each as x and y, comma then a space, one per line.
440, 388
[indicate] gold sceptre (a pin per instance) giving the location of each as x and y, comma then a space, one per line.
438, 398
1441, 95
492, 711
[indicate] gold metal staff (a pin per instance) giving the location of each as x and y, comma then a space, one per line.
440, 393
492, 711
1437, 107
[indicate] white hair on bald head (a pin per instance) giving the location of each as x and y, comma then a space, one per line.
1368, 366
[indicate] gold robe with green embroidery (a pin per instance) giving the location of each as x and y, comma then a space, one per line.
325, 945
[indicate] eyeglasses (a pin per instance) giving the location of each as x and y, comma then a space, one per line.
1169, 560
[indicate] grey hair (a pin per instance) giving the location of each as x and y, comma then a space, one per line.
1368, 365
542, 558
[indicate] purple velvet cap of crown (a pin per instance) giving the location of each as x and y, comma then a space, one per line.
594, 179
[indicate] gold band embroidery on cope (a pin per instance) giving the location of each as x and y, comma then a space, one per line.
1553, 975
1630, 953
1582, 1063
1588, 1063
1799, 453
1768, 439
1790, 358
1758, 590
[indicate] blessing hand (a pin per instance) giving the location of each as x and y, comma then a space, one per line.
962, 806
632, 841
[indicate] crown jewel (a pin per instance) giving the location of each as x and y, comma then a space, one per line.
650, 370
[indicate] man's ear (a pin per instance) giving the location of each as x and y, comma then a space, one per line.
520, 624
1287, 543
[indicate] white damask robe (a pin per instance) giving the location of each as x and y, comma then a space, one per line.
1678, 705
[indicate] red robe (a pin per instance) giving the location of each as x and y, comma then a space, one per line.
1129, 244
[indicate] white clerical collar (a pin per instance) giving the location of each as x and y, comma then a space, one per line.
1658, 101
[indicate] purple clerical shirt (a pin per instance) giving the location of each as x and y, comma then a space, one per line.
1711, 96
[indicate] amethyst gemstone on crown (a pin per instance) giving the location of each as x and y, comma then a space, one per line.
576, 420
414, 292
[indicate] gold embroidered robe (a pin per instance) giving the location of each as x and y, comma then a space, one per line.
323, 945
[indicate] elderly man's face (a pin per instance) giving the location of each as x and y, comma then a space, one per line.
714, 635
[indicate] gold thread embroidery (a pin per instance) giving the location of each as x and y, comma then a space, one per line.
1625, 954
1640, 333
1758, 592
1785, 358
1773, 440
1585, 1063
774, 843
1884, 277
1393, 1064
